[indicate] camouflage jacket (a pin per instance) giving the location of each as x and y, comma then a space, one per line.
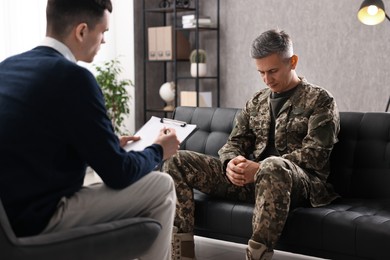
306, 129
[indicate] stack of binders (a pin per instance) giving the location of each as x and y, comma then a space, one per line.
160, 44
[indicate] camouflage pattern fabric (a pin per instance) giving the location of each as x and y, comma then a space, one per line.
194, 170
306, 130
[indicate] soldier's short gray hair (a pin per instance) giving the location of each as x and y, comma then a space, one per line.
270, 42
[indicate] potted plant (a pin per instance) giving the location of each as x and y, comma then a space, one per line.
115, 93
198, 63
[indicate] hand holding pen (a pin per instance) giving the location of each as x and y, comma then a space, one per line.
168, 141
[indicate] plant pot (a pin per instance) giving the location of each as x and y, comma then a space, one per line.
202, 69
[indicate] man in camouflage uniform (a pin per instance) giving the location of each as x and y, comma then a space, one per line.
288, 130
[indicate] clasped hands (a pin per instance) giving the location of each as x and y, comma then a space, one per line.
241, 171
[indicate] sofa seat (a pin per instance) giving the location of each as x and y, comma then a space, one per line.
344, 229
356, 226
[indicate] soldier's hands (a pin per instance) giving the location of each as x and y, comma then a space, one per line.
168, 141
241, 171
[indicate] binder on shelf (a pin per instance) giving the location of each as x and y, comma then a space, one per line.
150, 131
152, 43
160, 44
168, 46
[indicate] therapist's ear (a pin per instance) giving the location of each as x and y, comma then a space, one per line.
81, 31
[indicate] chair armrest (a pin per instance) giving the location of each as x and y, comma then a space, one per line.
121, 239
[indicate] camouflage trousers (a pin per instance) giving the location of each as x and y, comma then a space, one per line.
279, 186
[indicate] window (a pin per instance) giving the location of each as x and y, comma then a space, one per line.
23, 26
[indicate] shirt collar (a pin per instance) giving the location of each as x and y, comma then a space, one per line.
60, 47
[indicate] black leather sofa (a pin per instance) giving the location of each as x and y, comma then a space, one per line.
357, 226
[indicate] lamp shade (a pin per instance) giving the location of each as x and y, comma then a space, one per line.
372, 12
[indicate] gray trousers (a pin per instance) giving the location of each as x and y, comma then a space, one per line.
152, 196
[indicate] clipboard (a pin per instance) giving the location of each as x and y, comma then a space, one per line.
150, 131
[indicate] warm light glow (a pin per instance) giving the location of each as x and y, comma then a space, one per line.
371, 15
372, 10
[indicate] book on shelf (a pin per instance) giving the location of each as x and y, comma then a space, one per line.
200, 20
186, 26
192, 16
192, 22
192, 19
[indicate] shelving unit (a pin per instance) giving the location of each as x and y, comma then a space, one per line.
172, 70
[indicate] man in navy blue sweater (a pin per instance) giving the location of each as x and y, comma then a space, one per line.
53, 123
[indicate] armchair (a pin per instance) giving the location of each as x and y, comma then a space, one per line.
121, 239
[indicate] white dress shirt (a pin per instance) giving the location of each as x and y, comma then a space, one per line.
60, 47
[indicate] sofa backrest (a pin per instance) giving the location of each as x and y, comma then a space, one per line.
214, 127
360, 161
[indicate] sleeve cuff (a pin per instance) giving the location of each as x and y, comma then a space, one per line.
159, 149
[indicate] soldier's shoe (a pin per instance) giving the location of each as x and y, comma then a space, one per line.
183, 246
257, 251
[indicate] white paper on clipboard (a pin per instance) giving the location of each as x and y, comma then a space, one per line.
150, 131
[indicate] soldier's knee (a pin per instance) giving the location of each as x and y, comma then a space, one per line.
274, 168
170, 164
272, 164
176, 162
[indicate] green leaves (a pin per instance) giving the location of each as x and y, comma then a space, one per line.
115, 93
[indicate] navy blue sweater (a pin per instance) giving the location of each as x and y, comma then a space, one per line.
53, 122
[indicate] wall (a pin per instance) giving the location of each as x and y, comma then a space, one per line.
335, 50
18, 36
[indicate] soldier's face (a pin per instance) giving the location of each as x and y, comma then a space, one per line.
278, 73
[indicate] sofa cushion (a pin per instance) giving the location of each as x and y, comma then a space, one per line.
345, 229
